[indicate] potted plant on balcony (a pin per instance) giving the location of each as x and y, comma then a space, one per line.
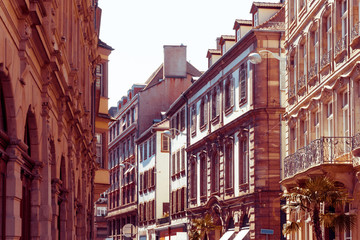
311, 197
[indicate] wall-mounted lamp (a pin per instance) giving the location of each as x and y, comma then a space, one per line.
132, 166
168, 132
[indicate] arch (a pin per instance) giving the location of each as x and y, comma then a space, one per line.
31, 134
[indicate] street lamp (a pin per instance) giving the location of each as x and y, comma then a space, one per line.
168, 132
122, 165
256, 58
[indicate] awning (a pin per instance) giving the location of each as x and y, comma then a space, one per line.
227, 235
242, 234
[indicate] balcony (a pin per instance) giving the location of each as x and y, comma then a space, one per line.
355, 35
340, 48
301, 85
325, 59
163, 220
323, 151
312, 73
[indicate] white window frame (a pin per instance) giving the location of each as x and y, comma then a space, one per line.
344, 11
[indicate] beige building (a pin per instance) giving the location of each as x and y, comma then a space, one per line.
48, 56
322, 113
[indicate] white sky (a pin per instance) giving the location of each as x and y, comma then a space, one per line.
138, 30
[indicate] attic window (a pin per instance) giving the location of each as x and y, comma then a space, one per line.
238, 34
224, 48
256, 19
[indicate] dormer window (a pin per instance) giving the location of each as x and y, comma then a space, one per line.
224, 48
256, 19
238, 34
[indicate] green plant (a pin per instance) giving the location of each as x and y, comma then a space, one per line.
310, 196
201, 227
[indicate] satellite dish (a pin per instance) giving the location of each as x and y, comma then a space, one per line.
129, 230
254, 58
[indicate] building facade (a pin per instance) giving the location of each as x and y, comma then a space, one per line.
47, 93
322, 133
153, 151
233, 131
136, 113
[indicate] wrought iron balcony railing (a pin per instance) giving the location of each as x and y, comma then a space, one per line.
325, 59
326, 150
340, 45
301, 82
355, 31
291, 92
313, 70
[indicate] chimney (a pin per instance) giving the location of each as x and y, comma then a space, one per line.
175, 61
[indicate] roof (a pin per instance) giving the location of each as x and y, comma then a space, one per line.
213, 52
104, 45
276, 22
242, 22
265, 5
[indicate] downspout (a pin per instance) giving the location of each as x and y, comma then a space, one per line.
187, 144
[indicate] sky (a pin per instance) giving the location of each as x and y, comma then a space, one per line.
138, 30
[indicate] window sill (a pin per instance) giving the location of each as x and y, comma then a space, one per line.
229, 110
242, 102
340, 55
203, 198
355, 42
193, 133
203, 127
215, 120
229, 190
243, 186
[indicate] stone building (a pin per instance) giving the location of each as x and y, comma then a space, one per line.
136, 113
233, 133
48, 57
322, 113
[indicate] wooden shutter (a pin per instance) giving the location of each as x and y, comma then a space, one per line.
206, 109
242, 77
231, 90
182, 159
182, 119
173, 165
154, 144
218, 100
172, 202
178, 161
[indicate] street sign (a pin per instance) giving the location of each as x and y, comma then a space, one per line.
267, 231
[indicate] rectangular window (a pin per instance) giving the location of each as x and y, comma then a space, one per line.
203, 176
330, 119
173, 163
193, 180
178, 162
145, 150
141, 153
164, 143
182, 119
193, 118
154, 144
229, 165
229, 92
182, 159
345, 113
242, 83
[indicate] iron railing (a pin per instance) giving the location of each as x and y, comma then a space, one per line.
355, 31
325, 59
340, 45
301, 82
313, 70
326, 150
163, 220
291, 92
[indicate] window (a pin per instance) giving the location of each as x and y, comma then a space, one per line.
329, 108
347, 233
203, 175
154, 144
223, 48
345, 113
182, 119
193, 182
238, 34
215, 174
178, 162
243, 160
293, 137
99, 150
173, 165
229, 164
99, 79
215, 102
256, 19
193, 118
141, 153
344, 18
242, 83
145, 150
316, 116
303, 126
164, 143
229, 92
203, 111
182, 159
